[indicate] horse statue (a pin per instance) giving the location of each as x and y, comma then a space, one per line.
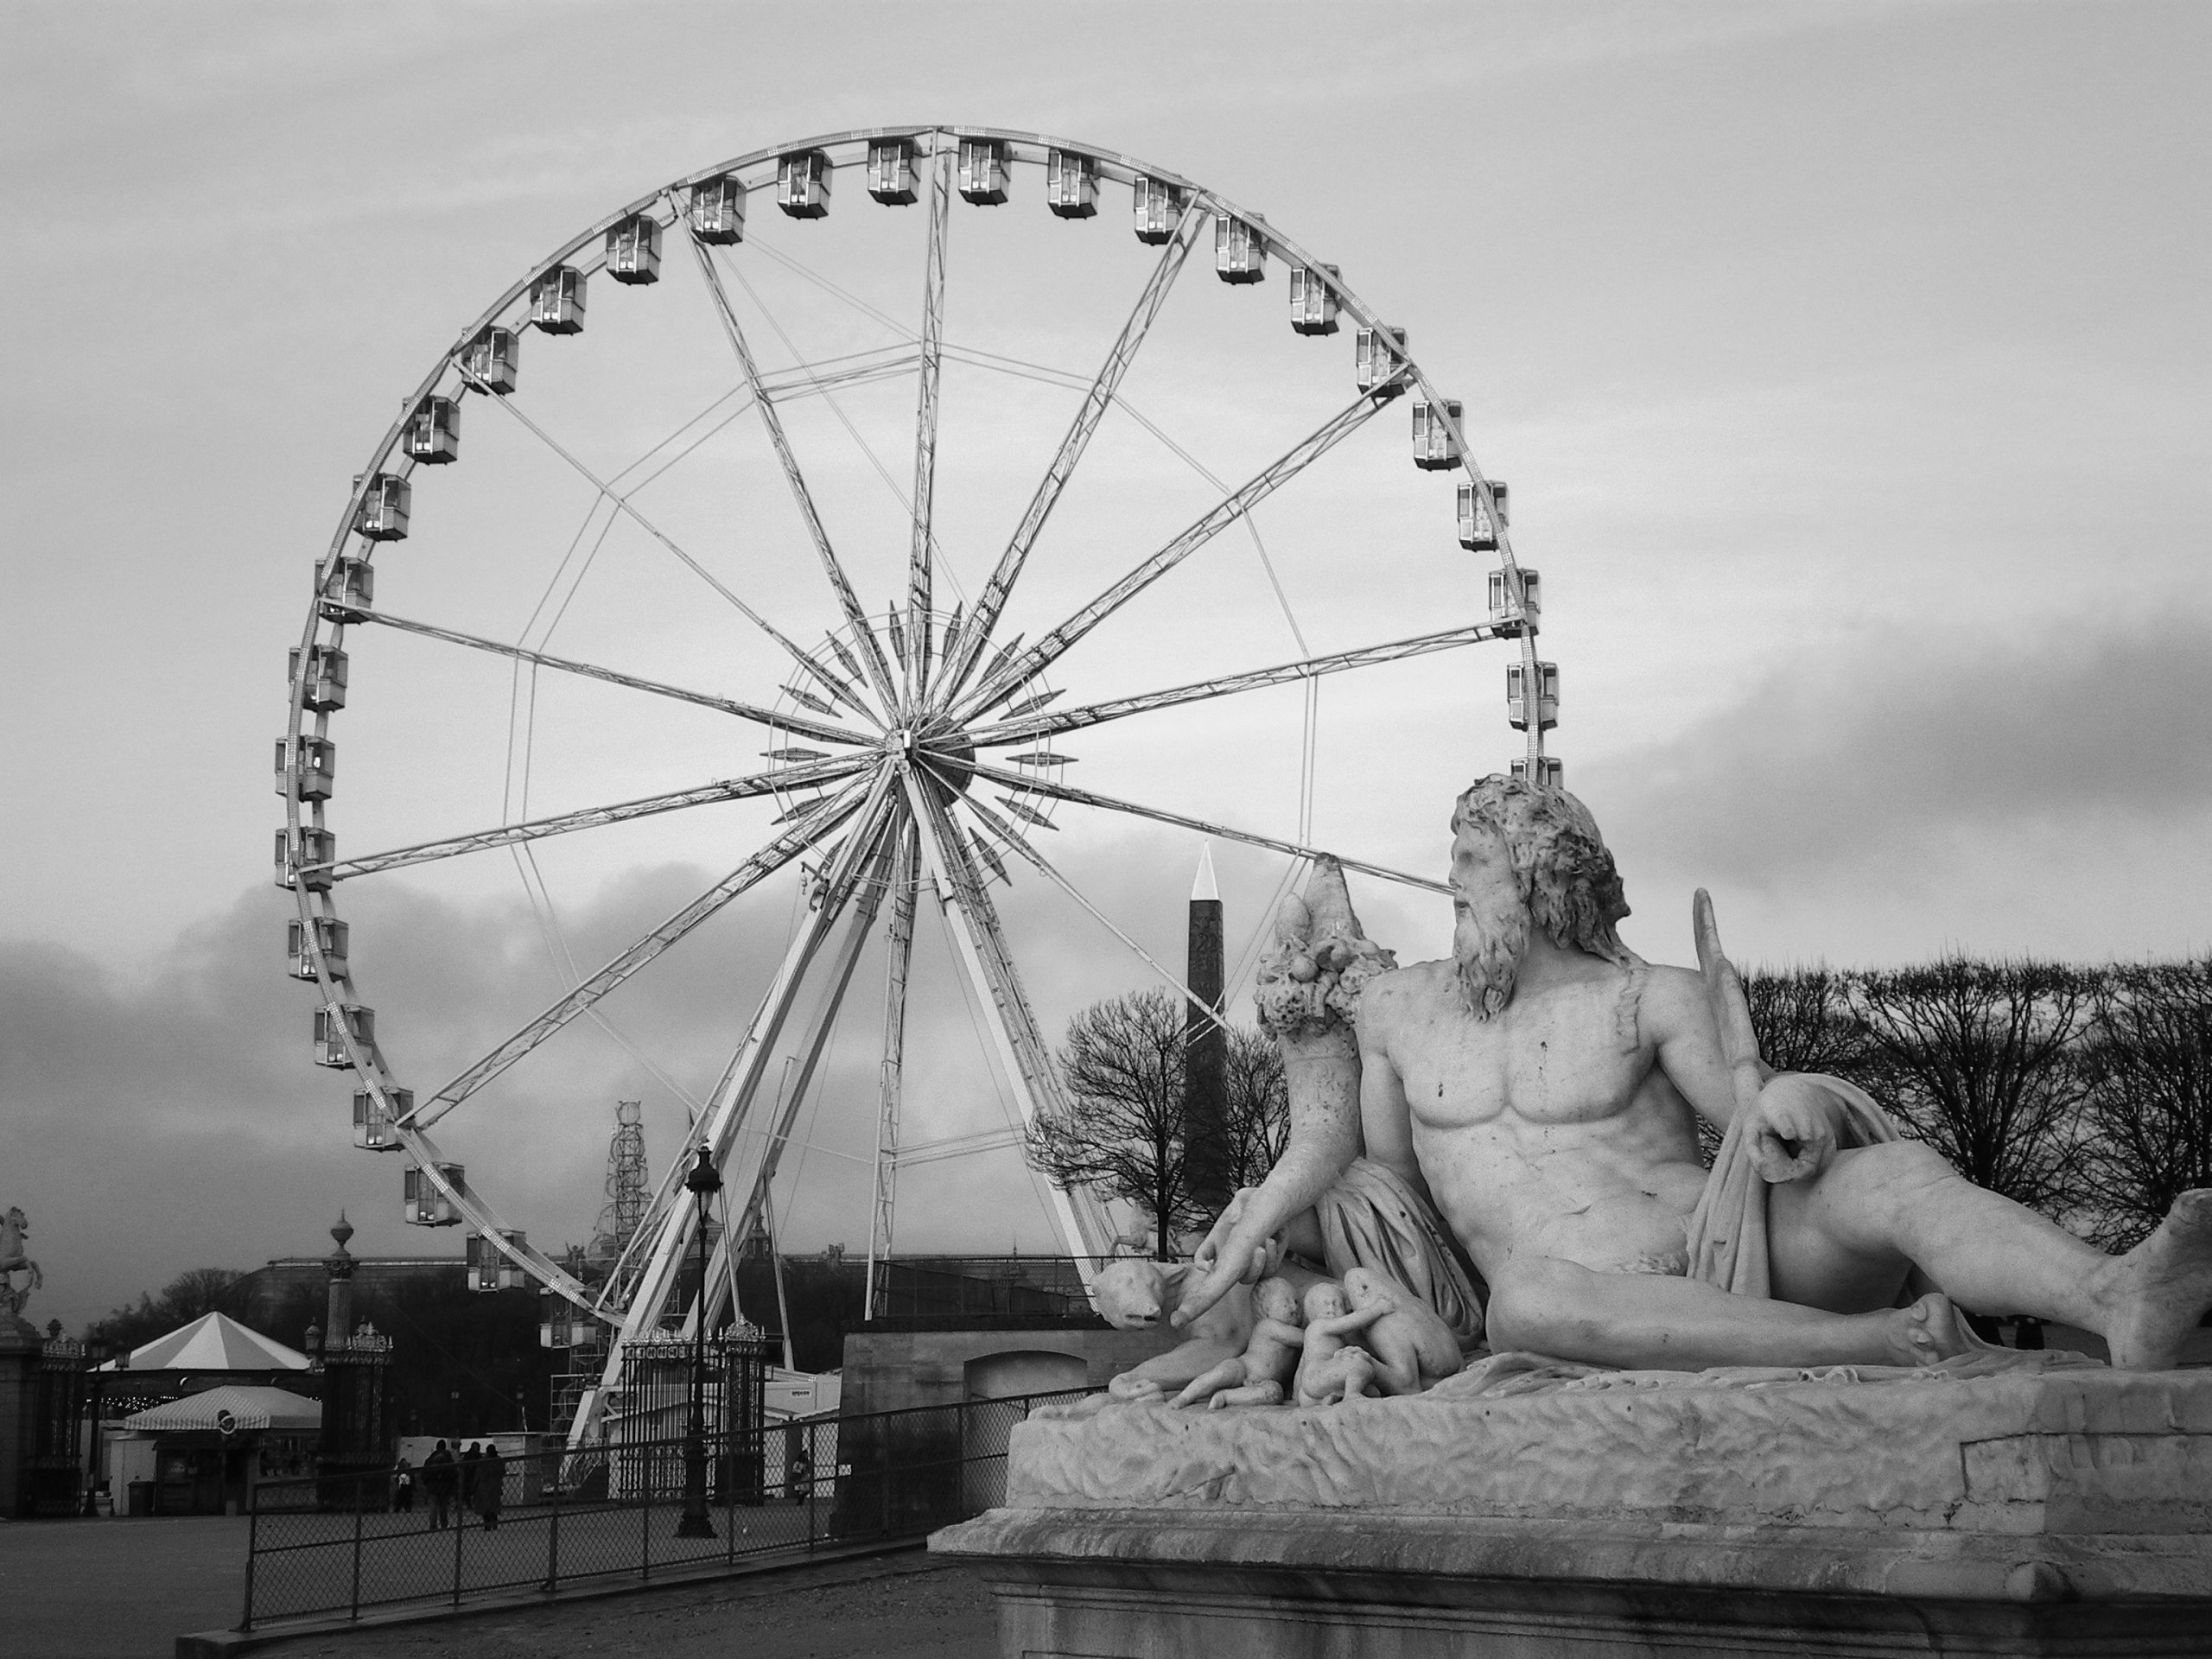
14, 1228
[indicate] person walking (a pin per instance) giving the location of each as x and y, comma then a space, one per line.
402, 1486
491, 1484
438, 1477
467, 1469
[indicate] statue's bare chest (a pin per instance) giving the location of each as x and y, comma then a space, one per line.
1562, 1057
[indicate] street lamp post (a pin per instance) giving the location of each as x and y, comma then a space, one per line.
97, 1351
703, 1182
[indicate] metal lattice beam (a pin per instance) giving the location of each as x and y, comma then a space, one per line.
919, 560
806, 833
1068, 719
1086, 797
594, 818
871, 649
799, 724
1096, 401
899, 957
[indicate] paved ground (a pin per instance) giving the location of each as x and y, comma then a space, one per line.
109, 1589
897, 1607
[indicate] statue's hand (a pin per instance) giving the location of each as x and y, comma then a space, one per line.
1793, 1131
1239, 1250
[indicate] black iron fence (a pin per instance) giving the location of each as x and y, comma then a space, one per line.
336, 1544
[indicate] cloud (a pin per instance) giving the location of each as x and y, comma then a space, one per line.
2062, 782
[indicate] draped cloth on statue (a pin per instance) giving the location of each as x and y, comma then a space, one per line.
1728, 1238
1370, 1219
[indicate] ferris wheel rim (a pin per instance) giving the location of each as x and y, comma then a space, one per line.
316, 903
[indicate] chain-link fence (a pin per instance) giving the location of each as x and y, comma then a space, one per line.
337, 1544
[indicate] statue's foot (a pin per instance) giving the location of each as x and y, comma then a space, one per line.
1930, 1331
2161, 1288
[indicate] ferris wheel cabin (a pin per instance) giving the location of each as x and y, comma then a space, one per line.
490, 363
1240, 252
334, 1023
1517, 705
891, 171
348, 590
434, 433
1516, 599
306, 862
1312, 301
323, 688
633, 250
1158, 205
1378, 368
372, 1130
383, 515
1070, 184
982, 171
557, 300
492, 1268
330, 938
1435, 450
718, 209
803, 183
311, 766
1476, 533
1551, 772
427, 1203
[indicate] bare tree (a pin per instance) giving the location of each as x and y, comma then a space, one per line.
1804, 1020
1977, 1058
1257, 1116
2147, 1064
1124, 1061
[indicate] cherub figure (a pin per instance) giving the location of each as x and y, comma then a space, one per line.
1414, 1349
1258, 1375
1330, 1369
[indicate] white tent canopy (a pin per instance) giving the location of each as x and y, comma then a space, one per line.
229, 1410
215, 1342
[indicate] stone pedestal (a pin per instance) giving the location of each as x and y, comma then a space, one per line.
2063, 1511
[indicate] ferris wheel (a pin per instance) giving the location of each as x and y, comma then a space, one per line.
784, 504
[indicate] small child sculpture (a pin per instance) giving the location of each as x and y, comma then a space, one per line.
1414, 1349
1331, 1370
1260, 1374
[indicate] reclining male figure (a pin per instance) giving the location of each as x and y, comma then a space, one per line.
1541, 1091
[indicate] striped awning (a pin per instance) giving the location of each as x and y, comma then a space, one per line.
229, 1411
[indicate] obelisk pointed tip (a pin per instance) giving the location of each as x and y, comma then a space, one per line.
1202, 888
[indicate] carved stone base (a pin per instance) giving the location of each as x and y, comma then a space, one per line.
2067, 1512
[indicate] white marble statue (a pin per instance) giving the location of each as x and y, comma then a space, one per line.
1539, 1093
1260, 1374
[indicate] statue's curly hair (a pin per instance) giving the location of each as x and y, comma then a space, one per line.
1567, 878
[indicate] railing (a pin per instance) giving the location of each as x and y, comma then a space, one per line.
333, 1545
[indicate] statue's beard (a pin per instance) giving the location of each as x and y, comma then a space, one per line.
1488, 937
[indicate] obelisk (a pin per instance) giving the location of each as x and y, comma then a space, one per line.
1205, 1141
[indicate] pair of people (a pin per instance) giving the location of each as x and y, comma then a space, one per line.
478, 1477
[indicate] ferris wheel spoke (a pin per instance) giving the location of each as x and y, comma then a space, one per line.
1003, 678
1069, 720
778, 852
1060, 791
926, 412
980, 943
798, 724
1100, 397
836, 687
905, 882
1014, 838
871, 649
594, 817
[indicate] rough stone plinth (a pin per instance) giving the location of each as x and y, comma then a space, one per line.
2056, 1511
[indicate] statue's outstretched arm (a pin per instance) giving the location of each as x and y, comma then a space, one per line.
1309, 983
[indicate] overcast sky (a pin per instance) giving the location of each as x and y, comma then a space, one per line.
1850, 364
